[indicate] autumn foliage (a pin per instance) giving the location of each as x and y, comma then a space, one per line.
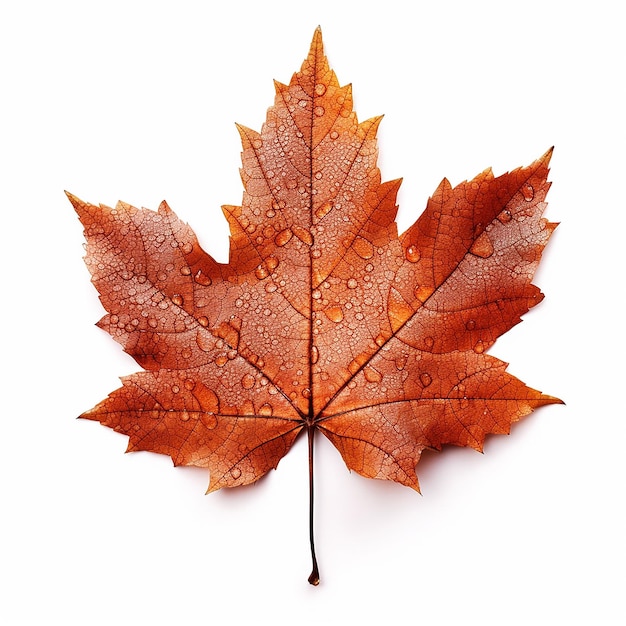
324, 319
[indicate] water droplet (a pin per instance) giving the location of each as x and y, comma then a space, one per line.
334, 134
221, 360
422, 293
302, 103
185, 270
271, 263
202, 279
528, 192
247, 382
320, 89
352, 283
303, 234
306, 392
184, 416
429, 342
357, 363
177, 299
425, 379
261, 272
175, 388
401, 363
380, 340
235, 473
257, 143
266, 410
372, 375
412, 253
209, 420
315, 355
479, 347
205, 341
186, 352
190, 384
505, 216
323, 210
283, 237
334, 314
203, 320
187, 248
363, 248
482, 247
319, 111
398, 310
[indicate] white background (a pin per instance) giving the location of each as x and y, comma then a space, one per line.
137, 101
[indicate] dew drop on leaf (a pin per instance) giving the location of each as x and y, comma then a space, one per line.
505, 216
202, 279
412, 253
482, 247
363, 248
400, 363
334, 314
247, 382
303, 234
315, 355
271, 263
261, 272
209, 420
380, 340
283, 237
372, 375
323, 210
528, 192
479, 347
266, 410
205, 341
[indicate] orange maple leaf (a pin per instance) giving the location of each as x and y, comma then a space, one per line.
323, 318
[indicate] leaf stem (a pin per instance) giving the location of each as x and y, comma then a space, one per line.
314, 578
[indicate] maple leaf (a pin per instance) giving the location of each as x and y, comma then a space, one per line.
323, 318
